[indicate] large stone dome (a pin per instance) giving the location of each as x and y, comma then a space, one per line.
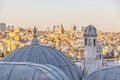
40, 54
112, 73
29, 71
90, 30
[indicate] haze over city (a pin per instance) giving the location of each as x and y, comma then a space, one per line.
59, 39
104, 14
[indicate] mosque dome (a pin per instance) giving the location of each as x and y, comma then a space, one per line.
30, 71
112, 73
90, 30
41, 54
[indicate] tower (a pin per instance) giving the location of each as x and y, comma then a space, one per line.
61, 29
90, 54
2, 26
54, 28
74, 27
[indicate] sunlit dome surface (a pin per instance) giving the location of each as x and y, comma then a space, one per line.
29, 71
105, 74
40, 54
90, 30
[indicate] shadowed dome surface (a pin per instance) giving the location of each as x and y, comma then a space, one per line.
29, 71
90, 30
40, 54
105, 74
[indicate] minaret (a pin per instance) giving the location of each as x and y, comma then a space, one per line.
90, 54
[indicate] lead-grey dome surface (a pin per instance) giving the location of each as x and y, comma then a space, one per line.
90, 30
40, 54
28, 71
105, 74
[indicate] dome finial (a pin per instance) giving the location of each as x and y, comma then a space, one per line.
35, 32
35, 40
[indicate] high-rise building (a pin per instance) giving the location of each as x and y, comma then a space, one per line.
61, 29
12, 27
8, 27
2, 26
83, 28
54, 27
74, 27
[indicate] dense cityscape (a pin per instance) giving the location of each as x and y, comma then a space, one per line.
59, 40
70, 42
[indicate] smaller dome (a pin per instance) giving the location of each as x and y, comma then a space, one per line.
29, 71
112, 73
90, 30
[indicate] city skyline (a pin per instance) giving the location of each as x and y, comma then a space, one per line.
104, 14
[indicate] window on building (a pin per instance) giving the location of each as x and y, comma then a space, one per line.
85, 42
94, 42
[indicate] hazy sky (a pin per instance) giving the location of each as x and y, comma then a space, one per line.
104, 14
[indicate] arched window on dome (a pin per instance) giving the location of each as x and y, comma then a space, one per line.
85, 42
94, 42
